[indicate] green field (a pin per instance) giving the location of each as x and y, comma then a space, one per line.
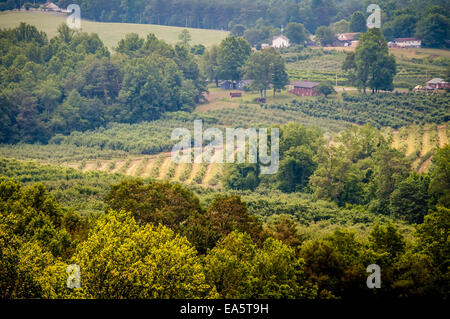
110, 33
413, 66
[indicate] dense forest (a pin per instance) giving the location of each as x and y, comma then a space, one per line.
158, 240
263, 18
72, 82
343, 197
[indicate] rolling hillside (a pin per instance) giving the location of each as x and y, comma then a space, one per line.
418, 143
110, 33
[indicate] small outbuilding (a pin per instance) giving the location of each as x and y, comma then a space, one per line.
438, 83
304, 88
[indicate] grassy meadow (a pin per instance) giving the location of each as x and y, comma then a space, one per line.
110, 33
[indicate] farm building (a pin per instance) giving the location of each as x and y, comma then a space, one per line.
230, 85
243, 85
304, 88
422, 88
280, 41
227, 85
438, 83
50, 6
406, 43
346, 39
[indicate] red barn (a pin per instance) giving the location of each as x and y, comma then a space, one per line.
438, 83
304, 88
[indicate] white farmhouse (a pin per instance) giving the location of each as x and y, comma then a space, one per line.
407, 43
280, 41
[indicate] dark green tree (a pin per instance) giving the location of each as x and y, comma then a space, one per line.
326, 88
433, 29
324, 35
409, 201
375, 67
358, 22
231, 57
296, 32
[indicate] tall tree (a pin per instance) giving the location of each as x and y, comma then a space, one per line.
265, 68
375, 67
232, 55
324, 35
296, 33
209, 65
185, 38
433, 29
358, 22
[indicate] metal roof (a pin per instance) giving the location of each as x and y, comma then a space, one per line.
304, 84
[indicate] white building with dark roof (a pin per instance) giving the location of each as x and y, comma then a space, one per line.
407, 43
280, 41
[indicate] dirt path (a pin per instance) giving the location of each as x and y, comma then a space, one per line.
425, 165
442, 132
216, 100
410, 143
134, 164
164, 167
195, 168
119, 165
395, 140
426, 147
90, 167
179, 170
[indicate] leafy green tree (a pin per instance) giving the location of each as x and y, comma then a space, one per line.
440, 177
228, 213
121, 259
358, 22
210, 66
388, 239
130, 44
409, 201
296, 32
153, 202
392, 169
341, 26
185, 38
266, 68
228, 266
231, 57
375, 67
28, 33
35, 233
257, 36
296, 166
433, 241
65, 33
259, 68
346, 170
280, 77
326, 88
284, 228
198, 49
413, 276
241, 176
433, 30
239, 269
297, 151
324, 35
402, 26
238, 30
